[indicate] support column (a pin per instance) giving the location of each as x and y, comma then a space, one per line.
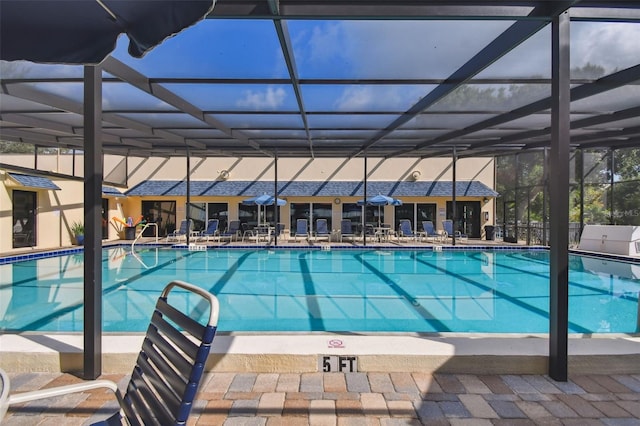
516, 199
559, 203
187, 212
612, 168
92, 110
364, 206
580, 170
545, 189
276, 215
454, 209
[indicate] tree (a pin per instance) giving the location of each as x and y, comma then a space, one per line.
522, 182
626, 197
16, 148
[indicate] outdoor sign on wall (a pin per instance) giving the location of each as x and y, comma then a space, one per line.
338, 363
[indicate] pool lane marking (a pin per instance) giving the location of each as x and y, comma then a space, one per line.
507, 297
34, 325
595, 290
315, 313
413, 302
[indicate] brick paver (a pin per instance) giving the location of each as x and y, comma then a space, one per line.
266, 383
357, 382
473, 384
271, 404
355, 399
288, 383
450, 383
478, 406
380, 382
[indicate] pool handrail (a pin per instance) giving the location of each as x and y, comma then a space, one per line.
139, 259
142, 232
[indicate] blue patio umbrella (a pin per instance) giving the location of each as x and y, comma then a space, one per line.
380, 200
263, 200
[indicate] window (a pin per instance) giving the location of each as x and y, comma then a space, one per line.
219, 211
268, 214
248, 213
416, 213
299, 211
161, 212
425, 211
321, 211
197, 212
353, 212
253, 214
405, 211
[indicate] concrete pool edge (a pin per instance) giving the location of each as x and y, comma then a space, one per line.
299, 353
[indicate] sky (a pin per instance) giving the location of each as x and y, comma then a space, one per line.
362, 50
357, 49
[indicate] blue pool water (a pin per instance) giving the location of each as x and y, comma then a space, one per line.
339, 290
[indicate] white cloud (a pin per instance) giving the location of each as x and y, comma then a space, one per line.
435, 49
355, 99
393, 49
612, 45
388, 97
532, 58
272, 98
325, 43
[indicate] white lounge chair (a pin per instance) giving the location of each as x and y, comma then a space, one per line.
429, 231
322, 230
232, 231
211, 231
186, 226
406, 231
302, 229
346, 229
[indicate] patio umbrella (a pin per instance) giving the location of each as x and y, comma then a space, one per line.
263, 200
85, 31
380, 200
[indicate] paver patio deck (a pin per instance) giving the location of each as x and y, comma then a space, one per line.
364, 399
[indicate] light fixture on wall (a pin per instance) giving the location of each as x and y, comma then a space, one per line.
337, 201
485, 200
415, 175
224, 174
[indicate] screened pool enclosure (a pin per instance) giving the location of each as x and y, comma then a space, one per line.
344, 79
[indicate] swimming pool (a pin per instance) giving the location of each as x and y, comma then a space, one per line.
480, 291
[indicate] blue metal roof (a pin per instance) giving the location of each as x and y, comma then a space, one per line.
110, 191
312, 188
33, 181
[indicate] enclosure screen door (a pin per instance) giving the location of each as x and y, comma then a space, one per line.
24, 218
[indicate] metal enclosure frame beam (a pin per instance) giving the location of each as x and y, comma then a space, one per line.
558, 168
92, 222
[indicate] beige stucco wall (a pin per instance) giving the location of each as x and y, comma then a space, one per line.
306, 169
58, 209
